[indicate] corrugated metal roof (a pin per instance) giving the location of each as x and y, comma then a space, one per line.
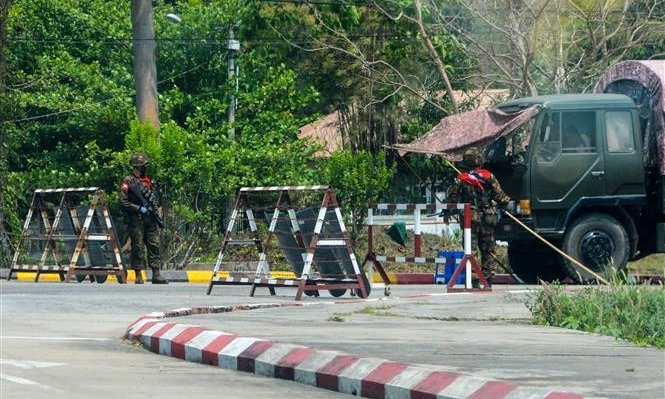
326, 132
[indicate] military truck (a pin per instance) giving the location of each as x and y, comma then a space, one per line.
587, 173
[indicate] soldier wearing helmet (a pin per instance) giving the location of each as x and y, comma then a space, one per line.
473, 158
143, 229
481, 189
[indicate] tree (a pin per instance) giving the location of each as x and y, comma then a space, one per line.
417, 20
73, 123
612, 31
5, 240
384, 60
145, 66
506, 37
359, 180
542, 46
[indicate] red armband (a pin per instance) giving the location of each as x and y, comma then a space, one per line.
471, 179
146, 181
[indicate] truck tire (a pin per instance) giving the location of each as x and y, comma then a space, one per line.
533, 261
599, 242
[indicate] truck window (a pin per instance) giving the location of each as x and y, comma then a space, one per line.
578, 132
619, 130
549, 138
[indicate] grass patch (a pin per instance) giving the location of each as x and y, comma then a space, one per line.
381, 310
632, 312
448, 318
652, 264
339, 317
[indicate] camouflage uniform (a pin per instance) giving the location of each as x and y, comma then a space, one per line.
484, 215
142, 228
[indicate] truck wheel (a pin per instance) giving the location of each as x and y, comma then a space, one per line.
532, 264
599, 242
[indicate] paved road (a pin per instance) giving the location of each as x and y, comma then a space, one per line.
62, 341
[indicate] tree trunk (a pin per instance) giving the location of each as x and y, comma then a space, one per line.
145, 68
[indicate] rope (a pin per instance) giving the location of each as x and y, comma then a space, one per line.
538, 236
560, 252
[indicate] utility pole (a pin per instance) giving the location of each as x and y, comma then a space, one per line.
145, 68
233, 47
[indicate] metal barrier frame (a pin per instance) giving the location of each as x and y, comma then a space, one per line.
468, 262
67, 273
306, 281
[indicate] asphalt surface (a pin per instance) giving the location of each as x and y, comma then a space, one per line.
63, 340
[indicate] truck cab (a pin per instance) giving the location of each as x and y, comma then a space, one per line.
577, 176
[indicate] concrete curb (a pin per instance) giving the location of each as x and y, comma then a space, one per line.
336, 371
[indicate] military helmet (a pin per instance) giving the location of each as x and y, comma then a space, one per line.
139, 159
473, 158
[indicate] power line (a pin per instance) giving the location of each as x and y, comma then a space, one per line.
215, 42
74, 109
315, 3
202, 40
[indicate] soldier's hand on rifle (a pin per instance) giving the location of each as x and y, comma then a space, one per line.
160, 212
445, 213
143, 210
437, 214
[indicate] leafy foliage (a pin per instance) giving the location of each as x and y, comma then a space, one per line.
68, 116
358, 180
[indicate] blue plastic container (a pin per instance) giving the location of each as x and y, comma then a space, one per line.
453, 259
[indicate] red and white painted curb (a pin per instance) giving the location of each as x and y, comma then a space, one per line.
336, 371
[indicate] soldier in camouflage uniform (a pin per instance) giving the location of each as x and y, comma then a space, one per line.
143, 229
481, 189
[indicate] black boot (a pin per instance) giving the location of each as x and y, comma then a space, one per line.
139, 276
157, 278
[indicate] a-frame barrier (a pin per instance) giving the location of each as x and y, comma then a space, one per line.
69, 232
315, 243
469, 262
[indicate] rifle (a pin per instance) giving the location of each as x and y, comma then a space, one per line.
442, 213
446, 214
148, 203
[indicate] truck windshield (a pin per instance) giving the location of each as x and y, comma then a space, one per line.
511, 148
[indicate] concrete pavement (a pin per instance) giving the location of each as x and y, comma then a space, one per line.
480, 342
484, 337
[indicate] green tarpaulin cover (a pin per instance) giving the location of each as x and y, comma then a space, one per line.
397, 232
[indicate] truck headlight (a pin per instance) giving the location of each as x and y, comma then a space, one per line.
511, 206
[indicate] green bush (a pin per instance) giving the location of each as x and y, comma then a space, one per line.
632, 312
359, 179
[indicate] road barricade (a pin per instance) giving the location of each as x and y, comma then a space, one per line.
310, 235
69, 232
467, 263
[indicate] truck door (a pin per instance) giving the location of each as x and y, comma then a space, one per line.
566, 164
624, 170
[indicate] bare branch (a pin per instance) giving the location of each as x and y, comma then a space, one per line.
435, 56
